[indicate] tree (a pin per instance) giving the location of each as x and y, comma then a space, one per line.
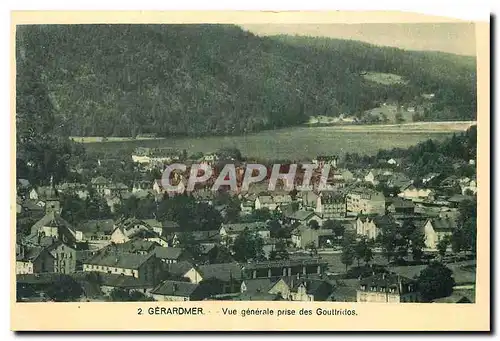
337, 228
387, 239
188, 241
65, 289
417, 244
219, 254
313, 224
435, 281
279, 252
262, 214
121, 295
399, 117
442, 246
73, 209
248, 246
348, 251
348, 255
313, 250
275, 229
363, 250
465, 236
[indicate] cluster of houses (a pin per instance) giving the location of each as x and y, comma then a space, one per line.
149, 255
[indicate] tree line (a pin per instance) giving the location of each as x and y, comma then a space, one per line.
125, 80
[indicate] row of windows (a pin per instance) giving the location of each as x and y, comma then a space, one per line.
106, 268
379, 289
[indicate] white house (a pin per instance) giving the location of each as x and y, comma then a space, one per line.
437, 229
413, 193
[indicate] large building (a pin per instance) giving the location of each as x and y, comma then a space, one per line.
330, 205
365, 201
145, 267
387, 288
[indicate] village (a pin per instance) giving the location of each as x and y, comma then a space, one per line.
373, 235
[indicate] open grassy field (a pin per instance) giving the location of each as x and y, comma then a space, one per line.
384, 78
298, 143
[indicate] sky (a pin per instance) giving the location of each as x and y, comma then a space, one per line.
457, 38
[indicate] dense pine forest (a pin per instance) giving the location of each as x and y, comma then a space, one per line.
124, 80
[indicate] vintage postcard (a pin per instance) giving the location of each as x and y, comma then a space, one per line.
270, 171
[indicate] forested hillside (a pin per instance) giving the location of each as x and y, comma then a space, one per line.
124, 80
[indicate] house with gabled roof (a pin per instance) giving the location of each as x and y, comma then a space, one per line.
145, 267
95, 230
126, 229
34, 259
109, 282
399, 205
232, 231
302, 236
435, 229
330, 205
411, 192
228, 275
364, 201
272, 202
171, 255
52, 225
99, 184
302, 217
371, 226
387, 288
310, 290
65, 257
181, 291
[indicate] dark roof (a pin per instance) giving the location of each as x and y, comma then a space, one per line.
202, 235
122, 281
398, 202
100, 180
175, 288
316, 287
30, 253
118, 260
46, 192
343, 294
301, 215
31, 205
51, 219
284, 263
332, 197
458, 198
440, 224
153, 223
67, 186
258, 285
102, 225
383, 221
168, 252
136, 245
23, 183
386, 280
253, 296
169, 224
180, 268
223, 271
240, 227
